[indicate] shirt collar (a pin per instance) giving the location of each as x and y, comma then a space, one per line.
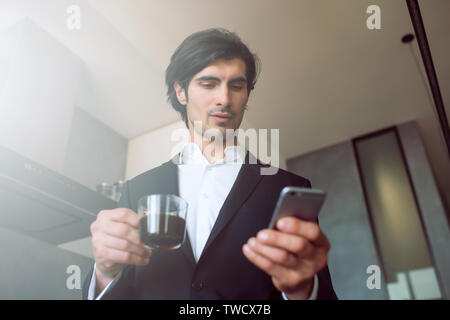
191, 154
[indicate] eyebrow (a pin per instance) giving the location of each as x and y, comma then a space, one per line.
211, 78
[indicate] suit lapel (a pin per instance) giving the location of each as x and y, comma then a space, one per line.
170, 171
247, 179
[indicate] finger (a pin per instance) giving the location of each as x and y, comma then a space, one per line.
121, 244
295, 244
124, 215
121, 230
271, 268
123, 257
307, 229
277, 255
283, 278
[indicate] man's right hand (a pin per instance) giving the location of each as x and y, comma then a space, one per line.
115, 242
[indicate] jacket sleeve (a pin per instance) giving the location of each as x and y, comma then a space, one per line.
326, 291
120, 289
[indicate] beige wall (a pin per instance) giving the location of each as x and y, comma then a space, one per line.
151, 149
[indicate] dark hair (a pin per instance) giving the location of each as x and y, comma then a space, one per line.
200, 50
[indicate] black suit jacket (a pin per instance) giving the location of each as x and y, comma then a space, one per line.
222, 271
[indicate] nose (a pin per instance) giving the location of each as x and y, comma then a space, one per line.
223, 96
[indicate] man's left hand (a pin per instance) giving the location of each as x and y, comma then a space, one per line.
291, 255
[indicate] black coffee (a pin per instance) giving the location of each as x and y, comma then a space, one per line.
167, 233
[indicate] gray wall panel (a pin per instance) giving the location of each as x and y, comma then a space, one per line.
429, 201
343, 219
95, 153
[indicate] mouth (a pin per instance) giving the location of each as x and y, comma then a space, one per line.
221, 117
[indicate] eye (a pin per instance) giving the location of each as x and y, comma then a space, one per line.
207, 85
237, 88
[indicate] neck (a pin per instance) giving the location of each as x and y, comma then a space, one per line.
212, 150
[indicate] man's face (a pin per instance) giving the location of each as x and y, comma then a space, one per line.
217, 96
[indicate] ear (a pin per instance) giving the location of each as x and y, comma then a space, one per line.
181, 94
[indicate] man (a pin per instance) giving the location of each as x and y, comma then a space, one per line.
229, 253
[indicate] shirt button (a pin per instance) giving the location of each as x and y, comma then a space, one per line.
205, 196
198, 285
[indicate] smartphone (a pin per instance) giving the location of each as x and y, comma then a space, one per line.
303, 203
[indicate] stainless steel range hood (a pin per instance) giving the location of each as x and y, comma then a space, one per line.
43, 204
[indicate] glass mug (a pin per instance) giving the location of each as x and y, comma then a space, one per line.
163, 221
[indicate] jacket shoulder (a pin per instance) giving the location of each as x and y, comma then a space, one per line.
288, 177
295, 178
144, 176
159, 180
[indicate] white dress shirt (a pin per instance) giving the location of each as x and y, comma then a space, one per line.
205, 187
